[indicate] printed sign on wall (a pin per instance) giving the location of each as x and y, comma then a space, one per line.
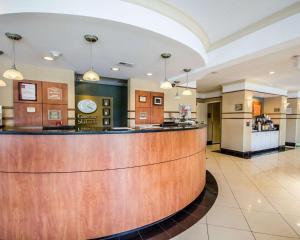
54, 93
93, 111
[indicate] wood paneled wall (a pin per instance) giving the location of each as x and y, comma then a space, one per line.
88, 186
43, 104
154, 113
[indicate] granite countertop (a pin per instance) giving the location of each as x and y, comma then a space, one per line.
272, 130
40, 131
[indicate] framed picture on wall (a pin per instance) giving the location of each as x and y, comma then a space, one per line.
106, 112
143, 99
143, 116
27, 91
105, 102
54, 115
238, 107
106, 121
54, 93
158, 101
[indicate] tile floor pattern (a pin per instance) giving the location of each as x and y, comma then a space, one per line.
258, 198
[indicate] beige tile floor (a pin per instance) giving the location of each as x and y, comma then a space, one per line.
259, 198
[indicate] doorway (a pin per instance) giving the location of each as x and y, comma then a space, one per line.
214, 123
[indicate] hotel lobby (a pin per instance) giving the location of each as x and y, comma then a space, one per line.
150, 119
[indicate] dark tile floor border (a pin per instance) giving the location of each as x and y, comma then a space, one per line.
177, 223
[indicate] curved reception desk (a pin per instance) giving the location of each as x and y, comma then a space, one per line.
83, 185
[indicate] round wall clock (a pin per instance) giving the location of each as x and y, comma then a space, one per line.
87, 106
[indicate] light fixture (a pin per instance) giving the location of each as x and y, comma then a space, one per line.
166, 84
13, 73
53, 55
115, 69
186, 91
177, 95
48, 58
296, 59
90, 75
149, 74
271, 73
2, 83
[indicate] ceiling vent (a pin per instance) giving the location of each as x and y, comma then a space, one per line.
126, 64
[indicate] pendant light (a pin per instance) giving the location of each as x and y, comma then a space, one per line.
186, 91
2, 83
166, 84
13, 73
91, 75
177, 96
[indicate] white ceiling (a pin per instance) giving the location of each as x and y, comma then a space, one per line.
118, 42
221, 18
257, 70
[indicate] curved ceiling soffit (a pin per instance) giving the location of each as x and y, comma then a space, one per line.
122, 11
168, 10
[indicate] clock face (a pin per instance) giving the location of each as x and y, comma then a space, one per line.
87, 106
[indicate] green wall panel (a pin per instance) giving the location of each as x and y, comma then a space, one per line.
118, 93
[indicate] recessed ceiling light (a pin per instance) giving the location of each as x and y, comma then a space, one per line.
48, 58
149, 74
115, 69
271, 73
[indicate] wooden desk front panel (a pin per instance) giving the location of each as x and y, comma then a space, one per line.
95, 203
95, 152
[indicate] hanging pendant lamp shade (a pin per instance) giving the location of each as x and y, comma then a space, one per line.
2, 83
13, 73
186, 91
165, 84
91, 75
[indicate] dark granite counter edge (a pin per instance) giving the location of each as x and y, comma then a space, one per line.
274, 130
73, 132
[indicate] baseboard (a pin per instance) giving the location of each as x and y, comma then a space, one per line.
236, 153
250, 154
290, 144
265, 151
281, 148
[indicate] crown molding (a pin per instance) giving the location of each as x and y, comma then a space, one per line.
168, 10
179, 16
282, 14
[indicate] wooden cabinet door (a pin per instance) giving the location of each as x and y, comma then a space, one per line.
55, 93
143, 116
157, 115
26, 115
142, 99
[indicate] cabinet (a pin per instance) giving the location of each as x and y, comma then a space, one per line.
149, 107
264, 140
